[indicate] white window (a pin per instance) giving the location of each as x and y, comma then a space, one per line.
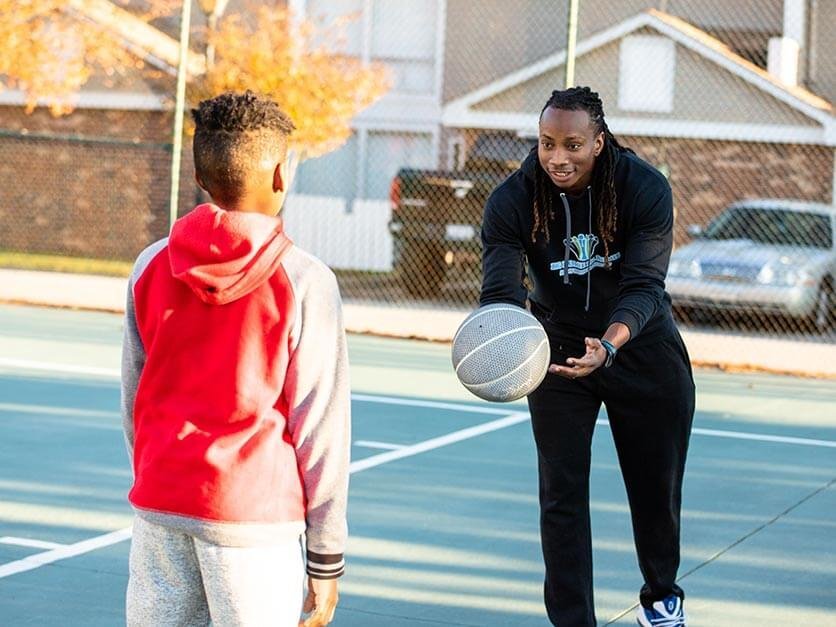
646, 74
378, 154
350, 12
333, 174
403, 37
399, 33
387, 152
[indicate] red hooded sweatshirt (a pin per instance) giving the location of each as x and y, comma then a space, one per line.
235, 386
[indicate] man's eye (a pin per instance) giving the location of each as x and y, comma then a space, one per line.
574, 146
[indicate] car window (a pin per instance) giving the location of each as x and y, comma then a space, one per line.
773, 226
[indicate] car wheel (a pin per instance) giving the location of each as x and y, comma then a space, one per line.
422, 269
824, 314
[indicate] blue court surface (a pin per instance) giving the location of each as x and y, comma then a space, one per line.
443, 508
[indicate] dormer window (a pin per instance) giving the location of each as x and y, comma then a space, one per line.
646, 74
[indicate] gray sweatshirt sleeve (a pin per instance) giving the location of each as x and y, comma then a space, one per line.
318, 395
133, 360
133, 351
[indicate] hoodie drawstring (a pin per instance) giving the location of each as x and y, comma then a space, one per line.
567, 240
566, 248
589, 269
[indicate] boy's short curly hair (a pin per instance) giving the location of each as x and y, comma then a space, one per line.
234, 133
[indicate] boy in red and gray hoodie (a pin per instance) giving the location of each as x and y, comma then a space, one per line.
235, 397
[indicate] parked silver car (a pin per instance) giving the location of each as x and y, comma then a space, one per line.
768, 256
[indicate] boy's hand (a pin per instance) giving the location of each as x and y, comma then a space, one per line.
321, 600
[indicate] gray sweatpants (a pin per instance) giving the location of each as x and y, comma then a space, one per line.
179, 580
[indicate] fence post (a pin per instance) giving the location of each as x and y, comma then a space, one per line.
177, 140
571, 41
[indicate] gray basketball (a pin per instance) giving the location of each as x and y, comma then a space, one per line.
501, 352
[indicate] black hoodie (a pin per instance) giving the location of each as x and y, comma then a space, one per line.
590, 297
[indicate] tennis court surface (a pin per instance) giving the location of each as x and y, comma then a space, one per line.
443, 508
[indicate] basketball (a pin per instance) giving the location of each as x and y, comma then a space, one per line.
501, 352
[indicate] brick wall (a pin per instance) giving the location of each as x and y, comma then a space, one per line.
92, 184
708, 175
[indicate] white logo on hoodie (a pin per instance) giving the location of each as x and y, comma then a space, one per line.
583, 247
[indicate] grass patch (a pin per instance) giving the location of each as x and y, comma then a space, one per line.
57, 263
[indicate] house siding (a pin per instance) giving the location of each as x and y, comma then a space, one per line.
707, 175
703, 91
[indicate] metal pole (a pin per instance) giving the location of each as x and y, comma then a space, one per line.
571, 41
177, 139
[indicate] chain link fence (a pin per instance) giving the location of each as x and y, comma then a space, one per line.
731, 101
52, 205
94, 185
702, 90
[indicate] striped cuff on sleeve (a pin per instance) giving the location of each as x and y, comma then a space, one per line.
322, 566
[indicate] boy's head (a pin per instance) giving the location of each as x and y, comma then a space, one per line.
240, 150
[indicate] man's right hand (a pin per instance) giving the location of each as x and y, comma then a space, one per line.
321, 602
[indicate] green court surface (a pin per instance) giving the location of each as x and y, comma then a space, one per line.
443, 508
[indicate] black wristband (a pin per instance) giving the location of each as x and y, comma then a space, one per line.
612, 351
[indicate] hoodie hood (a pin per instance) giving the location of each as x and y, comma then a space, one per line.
530, 164
224, 255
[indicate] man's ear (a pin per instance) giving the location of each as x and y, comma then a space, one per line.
279, 177
599, 143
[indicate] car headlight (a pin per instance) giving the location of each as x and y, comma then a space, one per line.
766, 275
685, 268
782, 274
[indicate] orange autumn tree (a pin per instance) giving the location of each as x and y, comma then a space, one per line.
298, 64
50, 50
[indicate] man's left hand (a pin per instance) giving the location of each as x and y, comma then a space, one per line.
578, 367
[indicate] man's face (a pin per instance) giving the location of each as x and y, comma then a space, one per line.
568, 147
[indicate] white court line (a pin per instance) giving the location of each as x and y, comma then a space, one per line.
444, 440
382, 445
37, 544
72, 550
57, 411
68, 550
394, 400
741, 435
116, 373
763, 437
67, 368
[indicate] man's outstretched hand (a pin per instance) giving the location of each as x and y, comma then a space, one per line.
594, 358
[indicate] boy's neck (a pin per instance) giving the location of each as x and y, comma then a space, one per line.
249, 204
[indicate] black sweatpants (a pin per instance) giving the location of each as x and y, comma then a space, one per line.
649, 396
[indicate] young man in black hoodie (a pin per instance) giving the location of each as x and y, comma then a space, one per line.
590, 224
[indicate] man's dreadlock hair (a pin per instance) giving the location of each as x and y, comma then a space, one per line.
233, 134
603, 185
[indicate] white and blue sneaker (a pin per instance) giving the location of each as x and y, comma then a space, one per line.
665, 613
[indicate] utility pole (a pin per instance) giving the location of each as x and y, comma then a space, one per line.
571, 41
177, 139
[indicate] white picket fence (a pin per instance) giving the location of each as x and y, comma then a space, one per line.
358, 239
